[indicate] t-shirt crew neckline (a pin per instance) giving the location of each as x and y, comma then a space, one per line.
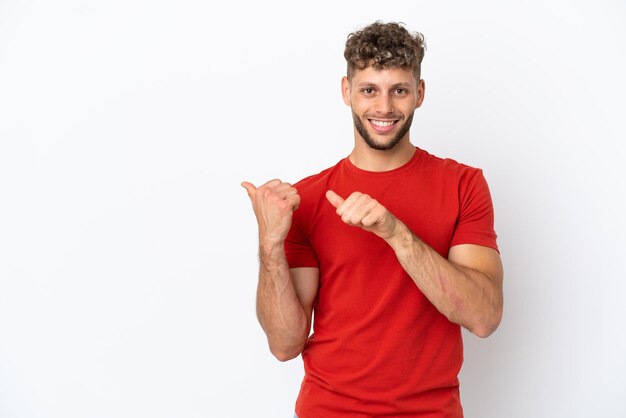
378, 174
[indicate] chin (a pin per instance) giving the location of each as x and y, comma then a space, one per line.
390, 140
385, 145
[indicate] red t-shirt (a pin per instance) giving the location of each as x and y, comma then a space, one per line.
379, 347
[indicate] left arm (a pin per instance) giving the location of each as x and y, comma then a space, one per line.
466, 288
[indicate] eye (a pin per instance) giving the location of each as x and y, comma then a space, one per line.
367, 90
401, 91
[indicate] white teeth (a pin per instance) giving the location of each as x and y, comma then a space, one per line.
382, 122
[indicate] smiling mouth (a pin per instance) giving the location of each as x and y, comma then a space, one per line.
382, 123
382, 126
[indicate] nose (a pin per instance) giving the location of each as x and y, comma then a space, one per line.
384, 105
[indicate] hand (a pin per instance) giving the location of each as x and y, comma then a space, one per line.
273, 204
361, 210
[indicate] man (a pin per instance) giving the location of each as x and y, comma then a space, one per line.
392, 248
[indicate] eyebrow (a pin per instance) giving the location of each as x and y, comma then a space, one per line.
393, 86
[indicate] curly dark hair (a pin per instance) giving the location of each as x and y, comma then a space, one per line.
384, 45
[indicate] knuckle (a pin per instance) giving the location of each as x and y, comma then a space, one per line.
269, 194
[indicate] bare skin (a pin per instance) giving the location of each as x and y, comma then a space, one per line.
284, 297
466, 287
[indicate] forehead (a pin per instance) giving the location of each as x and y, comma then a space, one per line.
385, 76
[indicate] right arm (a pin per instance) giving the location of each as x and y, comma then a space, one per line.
285, 305
284, 297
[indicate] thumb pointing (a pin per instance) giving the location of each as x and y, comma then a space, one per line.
250, 188
334, 198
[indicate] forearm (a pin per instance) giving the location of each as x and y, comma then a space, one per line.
465, 296
278, 309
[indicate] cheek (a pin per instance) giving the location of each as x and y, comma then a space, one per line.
359, 105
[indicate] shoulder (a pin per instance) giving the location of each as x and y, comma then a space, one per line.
312, 191
316, 184
449, 165
449, 169
466, 183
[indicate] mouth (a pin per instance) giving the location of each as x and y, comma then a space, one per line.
383, 125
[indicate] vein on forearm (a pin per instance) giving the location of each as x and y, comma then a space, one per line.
458, 292
278, 308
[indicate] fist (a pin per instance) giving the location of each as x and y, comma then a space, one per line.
363, 211
273, 204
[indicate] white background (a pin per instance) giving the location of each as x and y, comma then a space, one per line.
128, 249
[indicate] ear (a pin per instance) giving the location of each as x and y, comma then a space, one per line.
421, 90
345, 90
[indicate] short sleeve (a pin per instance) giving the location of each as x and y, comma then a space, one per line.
475, 224
298, 249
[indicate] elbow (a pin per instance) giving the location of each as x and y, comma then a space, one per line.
286, 345
284, 351
483, 331
284, 355
488, 325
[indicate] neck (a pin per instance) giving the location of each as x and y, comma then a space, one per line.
370, 159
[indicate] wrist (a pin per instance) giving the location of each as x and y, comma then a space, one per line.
400, 237
272, 257
269, 246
